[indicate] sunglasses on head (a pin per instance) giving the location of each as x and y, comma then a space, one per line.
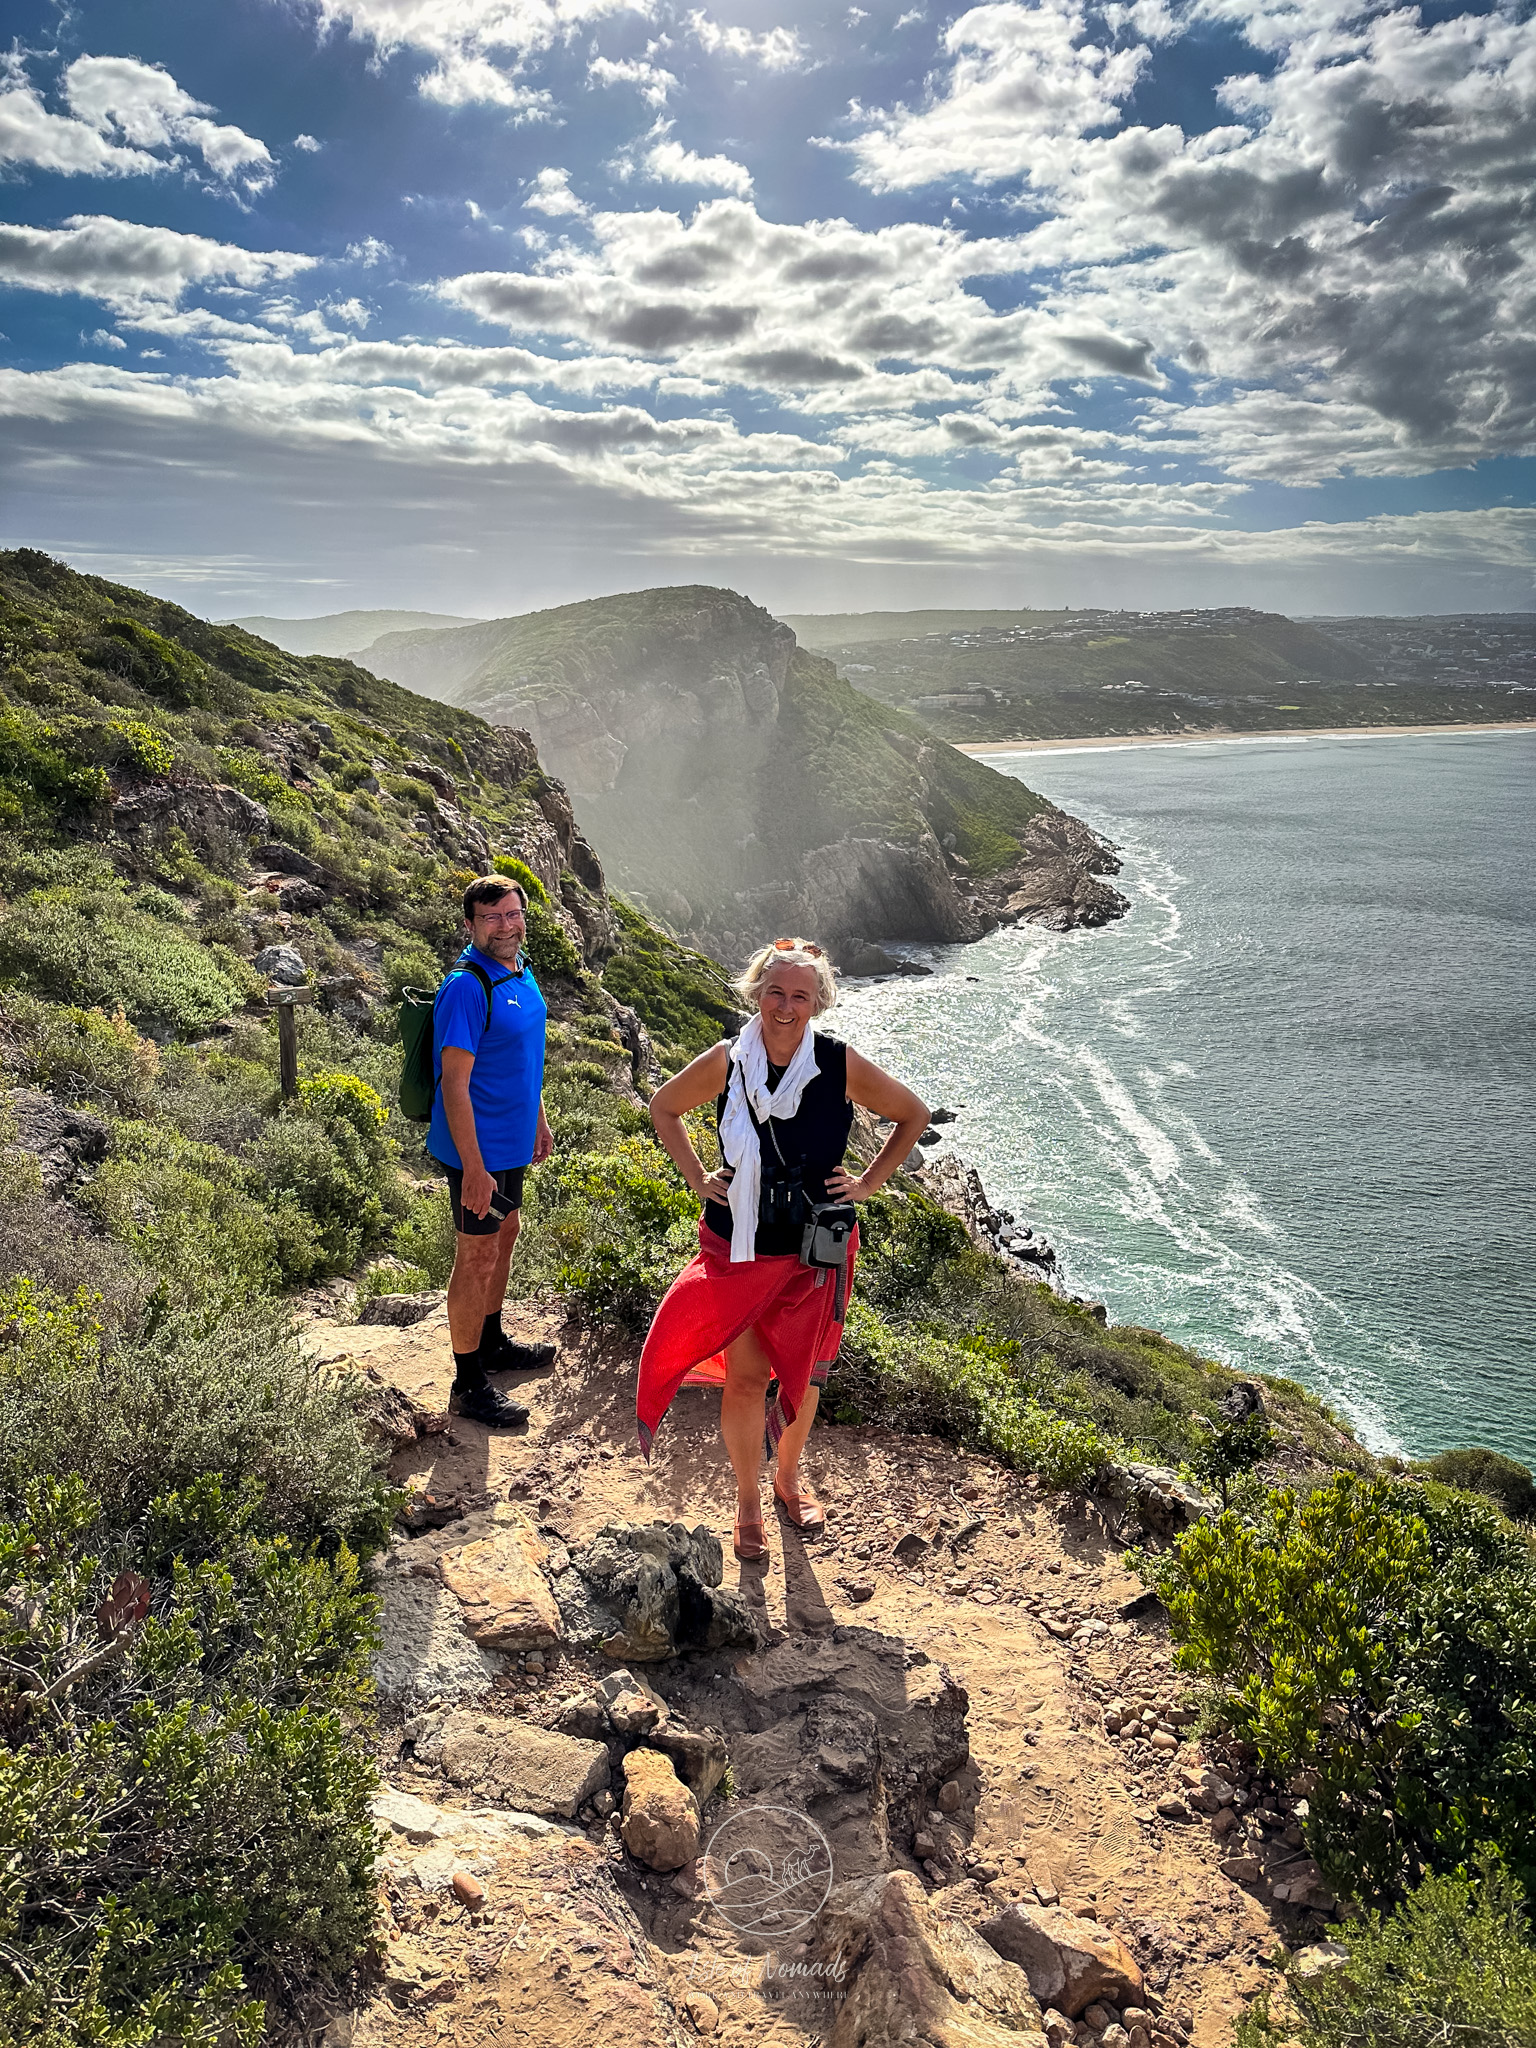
797, 946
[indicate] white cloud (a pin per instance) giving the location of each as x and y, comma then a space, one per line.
307, 143
369, 252
144, 105
551, 193
775, 49
129, 266
1022, 77
126, 118
103, 337
465, 38
668, 161
654, 82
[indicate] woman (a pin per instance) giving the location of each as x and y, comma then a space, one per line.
746, 1311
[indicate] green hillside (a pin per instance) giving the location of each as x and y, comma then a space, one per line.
725, 773
1078, 674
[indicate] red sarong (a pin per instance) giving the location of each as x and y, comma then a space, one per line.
792, 1307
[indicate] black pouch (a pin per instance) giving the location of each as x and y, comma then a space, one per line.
829, 1226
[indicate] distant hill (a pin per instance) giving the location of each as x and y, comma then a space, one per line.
340, 632
734, 781
974, 675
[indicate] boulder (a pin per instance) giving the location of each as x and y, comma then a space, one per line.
425, 1650
65, 1142
287, 860
644, 1591
212, 814
698, 1755
909, 1975
499, 1583
871, 960
282, 964
660, 1822
399, 1311
1070, 1963
534, 1769
299, 897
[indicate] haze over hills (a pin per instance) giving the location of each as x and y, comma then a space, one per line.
1080, 673
738, 783
339, 632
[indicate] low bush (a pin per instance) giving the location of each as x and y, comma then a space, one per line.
183, 1793
426, 1237
1454, 1963
212, 1232
681, 997
608, 1229
549, 949
93, 948
1486, 1472
40, 777
79, 1055
1382, 1635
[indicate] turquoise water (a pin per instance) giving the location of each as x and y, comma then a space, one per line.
1285, 1110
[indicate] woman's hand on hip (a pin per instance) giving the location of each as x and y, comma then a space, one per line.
716, 1187
844, 1186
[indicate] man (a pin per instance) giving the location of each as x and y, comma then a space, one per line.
488, 1127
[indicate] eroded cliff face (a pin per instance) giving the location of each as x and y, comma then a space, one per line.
734, 783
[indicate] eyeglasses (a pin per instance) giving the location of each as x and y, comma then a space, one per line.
797, 946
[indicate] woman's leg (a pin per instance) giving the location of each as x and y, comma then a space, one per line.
743, 1417
792, 1443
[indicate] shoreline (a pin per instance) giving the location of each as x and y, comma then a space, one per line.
1220, 733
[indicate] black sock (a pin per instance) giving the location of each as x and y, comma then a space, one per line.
468, 1372
491, 1335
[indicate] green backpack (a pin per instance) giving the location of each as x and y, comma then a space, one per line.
418, 1069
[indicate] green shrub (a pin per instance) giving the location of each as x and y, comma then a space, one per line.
1226, 1453
1454, 1963
1383, 1635
40, 778
609, 1229
212, 1234
187, 1817
517, 870
392, 1279
1486, 1472
249, 772
149, 661
426, 1239
549, 950
410, 967
80, 1055
94, 949
142, 746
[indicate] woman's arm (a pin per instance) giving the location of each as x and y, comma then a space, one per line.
880, 1093
699, 1082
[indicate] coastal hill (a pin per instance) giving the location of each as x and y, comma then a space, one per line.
738, 785
977, 675
340, 632
324, 1716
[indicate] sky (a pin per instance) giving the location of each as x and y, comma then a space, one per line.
483, 305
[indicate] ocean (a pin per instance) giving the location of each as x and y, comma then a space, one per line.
1285, 1110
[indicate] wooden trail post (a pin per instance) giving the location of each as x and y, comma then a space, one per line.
285, 1001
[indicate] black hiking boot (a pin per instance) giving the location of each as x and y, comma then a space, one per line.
502, 1353
485, 1405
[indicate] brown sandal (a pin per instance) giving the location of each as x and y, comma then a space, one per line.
802, 1510
749, 1552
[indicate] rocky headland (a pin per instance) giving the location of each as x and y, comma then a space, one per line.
733, 783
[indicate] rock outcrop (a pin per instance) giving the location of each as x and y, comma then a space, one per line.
643, 1591
737, 784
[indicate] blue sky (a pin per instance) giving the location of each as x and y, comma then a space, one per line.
479, 305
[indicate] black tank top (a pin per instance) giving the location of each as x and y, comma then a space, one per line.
812, 1141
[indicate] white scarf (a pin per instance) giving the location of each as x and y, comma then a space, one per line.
748, 1084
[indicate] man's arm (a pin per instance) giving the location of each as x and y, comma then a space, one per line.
478, 1184
543, 1137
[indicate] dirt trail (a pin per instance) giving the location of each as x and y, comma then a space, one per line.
1024, 1611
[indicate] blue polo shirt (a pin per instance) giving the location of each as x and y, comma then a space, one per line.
508, 1075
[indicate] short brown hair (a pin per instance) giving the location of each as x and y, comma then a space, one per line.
491, 889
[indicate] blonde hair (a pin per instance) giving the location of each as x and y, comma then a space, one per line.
798, 953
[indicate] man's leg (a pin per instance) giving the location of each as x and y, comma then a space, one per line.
480, 1263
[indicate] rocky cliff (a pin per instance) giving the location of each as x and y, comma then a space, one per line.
735, 782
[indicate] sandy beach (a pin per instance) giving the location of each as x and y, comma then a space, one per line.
1220, 732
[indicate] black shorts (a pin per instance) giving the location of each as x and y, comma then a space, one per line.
509, 1182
